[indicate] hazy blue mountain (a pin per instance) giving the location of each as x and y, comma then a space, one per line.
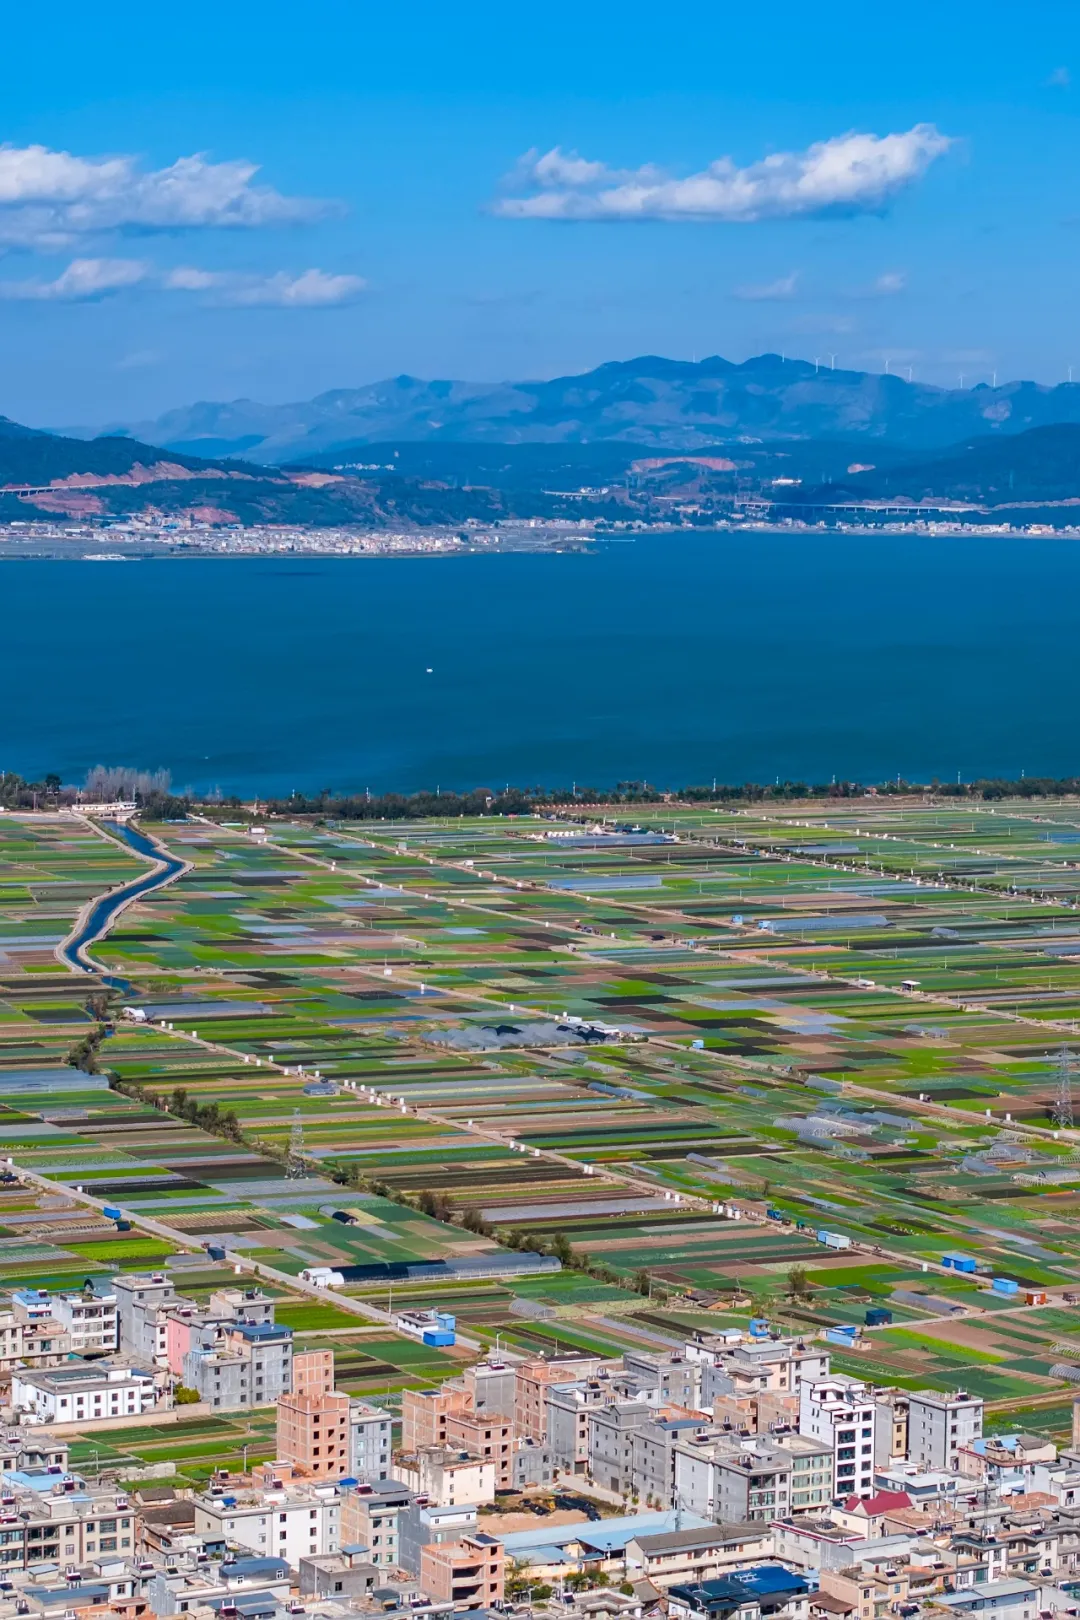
1040, 464
651, 402
28, 456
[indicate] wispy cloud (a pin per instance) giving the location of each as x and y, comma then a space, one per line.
770, 291
51, 199
86, 280
305, 289
849, 174
888, 284
311, 289
83, 281
1060, 79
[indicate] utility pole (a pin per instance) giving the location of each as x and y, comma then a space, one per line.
1063, 1102
294, 1169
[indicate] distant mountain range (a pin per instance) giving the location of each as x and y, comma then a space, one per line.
437, 482
649, 402
1039, 466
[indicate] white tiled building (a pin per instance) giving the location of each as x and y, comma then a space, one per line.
291, 1523
82, 1392
841, 1412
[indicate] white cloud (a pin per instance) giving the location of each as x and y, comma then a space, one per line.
1060, 79
50, 199
782, 287
893, 281
83, 280
88, 279
187, 278
853, 173
311, 289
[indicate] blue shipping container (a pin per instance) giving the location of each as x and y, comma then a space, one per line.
111, 1212
438, 1336
1005, 1285
960, 1262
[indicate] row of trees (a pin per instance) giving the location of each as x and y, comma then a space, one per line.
153, 793
207, 1116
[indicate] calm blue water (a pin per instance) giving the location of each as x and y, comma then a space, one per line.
676, 658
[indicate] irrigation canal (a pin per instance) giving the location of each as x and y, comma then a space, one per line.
99, 918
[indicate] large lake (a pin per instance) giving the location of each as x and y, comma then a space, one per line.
677, 658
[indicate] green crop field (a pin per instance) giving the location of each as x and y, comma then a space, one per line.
850, 1014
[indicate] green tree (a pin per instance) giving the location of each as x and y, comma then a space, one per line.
798, 1283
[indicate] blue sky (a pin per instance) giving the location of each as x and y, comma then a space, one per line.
406, 214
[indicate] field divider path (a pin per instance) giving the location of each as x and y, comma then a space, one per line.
755, 1210
758, 959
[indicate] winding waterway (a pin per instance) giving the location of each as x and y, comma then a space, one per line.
99, 918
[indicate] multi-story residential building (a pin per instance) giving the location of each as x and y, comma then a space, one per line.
733, 1480
282, 1520
533, 1380
669, 1556
754, 1414
491, 1387
780, 1365
141, 1302
312, 1372
256, 1587
446, 1476
486, 1435
1006, 1461
612, 1427
469, 1573
241, 1305
89, 1318
891, 1426
186, 1328
766, 1592
812, 1486
344, 1577
371, 1431
65, 1522
941, 1425
532, 1464
240, 1364
370, 1516
810, 1543
568, 1408
313, 1432
30, 1333
841, 1412
1009, 1599
31, 1451
653, 1457
422, 1525
674, 1377
85, 1391
424, 1413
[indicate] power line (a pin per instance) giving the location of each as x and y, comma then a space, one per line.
294, 1169
1063, 1101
